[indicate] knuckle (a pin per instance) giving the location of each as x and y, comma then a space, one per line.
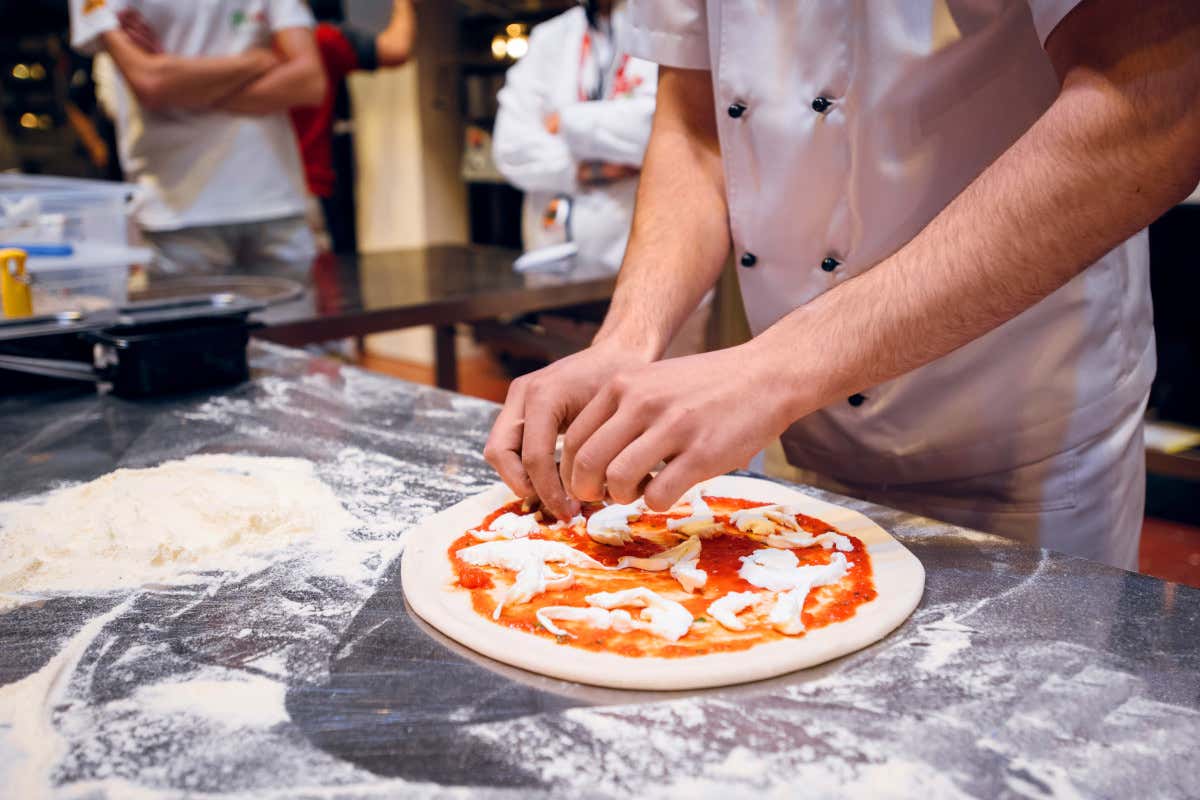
618, 475
621, 383
572, 441
535, 462
586, 462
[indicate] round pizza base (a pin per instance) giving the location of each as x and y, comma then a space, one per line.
428, 580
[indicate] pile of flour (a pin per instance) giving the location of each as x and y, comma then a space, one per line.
138, 526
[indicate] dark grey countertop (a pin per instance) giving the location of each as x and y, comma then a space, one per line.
1023, 673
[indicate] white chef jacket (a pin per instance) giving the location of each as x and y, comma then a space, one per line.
920, 96
616, 128
200, 167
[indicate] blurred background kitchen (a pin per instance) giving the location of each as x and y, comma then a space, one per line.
437, 190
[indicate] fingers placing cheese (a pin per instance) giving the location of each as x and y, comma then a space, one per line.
700, 520
600, 618
509, 526
662, 617
512, 554
726, 609
610, 525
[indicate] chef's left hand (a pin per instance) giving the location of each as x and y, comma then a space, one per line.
704, 415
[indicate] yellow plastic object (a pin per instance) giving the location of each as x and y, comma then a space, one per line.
14, 284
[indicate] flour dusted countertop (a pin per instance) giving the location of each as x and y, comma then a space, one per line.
1022, 673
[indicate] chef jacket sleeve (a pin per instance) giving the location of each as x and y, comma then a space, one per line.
1048, 13
614, 130
673, 33
283, 14
90, 19
528, 155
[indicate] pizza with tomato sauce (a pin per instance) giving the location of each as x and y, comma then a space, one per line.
741, 580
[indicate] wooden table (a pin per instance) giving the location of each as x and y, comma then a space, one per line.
439, 285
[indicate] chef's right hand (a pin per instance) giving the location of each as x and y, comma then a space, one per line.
538, 407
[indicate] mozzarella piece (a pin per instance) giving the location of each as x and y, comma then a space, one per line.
689, 574
827, 540
618, 620
778, 524
682, 560
515, 553
779, 570
532, 579
662, 617
687, 550
528, 557
610, 525
700, 519
726, 609
574, 522
793, 582
752, 520
509, 526
769, 568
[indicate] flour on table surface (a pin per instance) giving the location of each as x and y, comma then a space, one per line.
904, 717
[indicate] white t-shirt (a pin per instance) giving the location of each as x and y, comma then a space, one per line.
200, 167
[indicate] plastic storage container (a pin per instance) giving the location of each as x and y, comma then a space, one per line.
95, 277
67, 210
77, 234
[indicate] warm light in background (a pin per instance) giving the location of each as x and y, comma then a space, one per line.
20, 72
499, 47
517, 47
513, 43
29, 120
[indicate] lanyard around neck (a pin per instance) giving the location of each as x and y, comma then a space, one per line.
602, 87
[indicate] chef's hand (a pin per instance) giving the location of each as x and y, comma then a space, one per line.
703, 414
538, 407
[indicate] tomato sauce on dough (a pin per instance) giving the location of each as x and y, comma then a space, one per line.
720, 557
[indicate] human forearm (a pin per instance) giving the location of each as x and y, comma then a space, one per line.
614, 131
680, 235
393, 46
298, 80
161, 80
1118, 147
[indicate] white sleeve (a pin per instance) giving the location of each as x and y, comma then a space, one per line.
89, 20
288, 14
673, 33
528, 155
614, 130
1048, 13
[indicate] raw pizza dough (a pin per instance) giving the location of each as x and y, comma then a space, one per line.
135, 526
428, 580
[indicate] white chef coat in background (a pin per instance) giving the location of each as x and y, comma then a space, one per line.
201, 168
616, 128
845, 127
